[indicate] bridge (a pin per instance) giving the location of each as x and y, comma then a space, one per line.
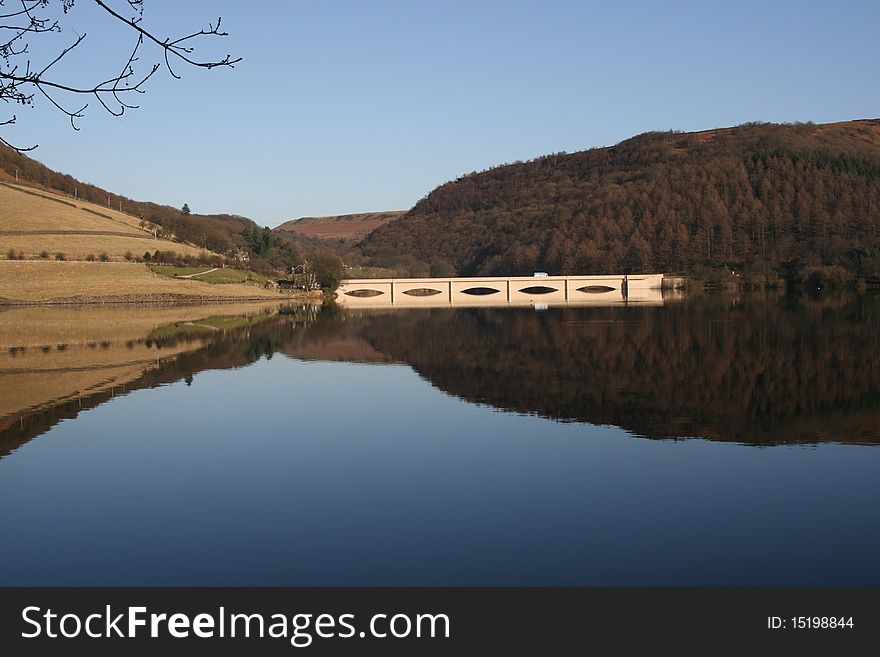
503, 290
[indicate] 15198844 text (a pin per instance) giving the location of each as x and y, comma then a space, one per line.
810, 623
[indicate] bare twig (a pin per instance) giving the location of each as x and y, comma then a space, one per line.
19, 80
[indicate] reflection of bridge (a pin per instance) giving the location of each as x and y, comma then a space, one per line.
519, 290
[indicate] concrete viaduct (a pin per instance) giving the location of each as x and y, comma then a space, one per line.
512, 290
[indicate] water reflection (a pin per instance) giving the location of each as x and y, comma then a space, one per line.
56, 362
748, 370
751, 370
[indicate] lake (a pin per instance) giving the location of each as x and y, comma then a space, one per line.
716, 440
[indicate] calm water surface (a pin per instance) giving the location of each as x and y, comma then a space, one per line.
720, 441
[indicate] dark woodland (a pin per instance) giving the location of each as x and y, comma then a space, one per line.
768, 202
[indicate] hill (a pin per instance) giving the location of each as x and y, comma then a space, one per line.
765, 200
36, 223
350, 229
59, 250
231, 236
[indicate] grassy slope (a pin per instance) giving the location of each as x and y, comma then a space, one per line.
218, 233
42, 282
218, 276
36, 221
27, 209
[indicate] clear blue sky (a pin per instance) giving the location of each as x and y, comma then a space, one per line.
352, 106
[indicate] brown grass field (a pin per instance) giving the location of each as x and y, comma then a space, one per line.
349, 227
79, 247
77, 282
25, 210
34, 221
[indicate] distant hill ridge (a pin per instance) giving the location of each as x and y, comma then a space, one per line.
765, 199
351, 228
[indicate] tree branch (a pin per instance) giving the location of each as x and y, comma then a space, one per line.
171, 46
19, 80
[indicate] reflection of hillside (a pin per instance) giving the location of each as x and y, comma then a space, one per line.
45, 384
36, 377
347, 350
38, 326
753, 372
334, 335
53, 355
750, 371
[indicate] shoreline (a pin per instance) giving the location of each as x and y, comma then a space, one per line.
158, 299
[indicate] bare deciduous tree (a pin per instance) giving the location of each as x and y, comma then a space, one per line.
22, 21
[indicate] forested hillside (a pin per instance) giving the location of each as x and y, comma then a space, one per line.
759, 199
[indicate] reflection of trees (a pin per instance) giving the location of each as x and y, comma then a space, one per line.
752, 372
748, 371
